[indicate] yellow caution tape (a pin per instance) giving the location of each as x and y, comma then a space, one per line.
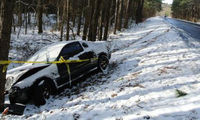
54, 62
68, 69
6, 63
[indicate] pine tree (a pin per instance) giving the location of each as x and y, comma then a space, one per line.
5, 32
39, 15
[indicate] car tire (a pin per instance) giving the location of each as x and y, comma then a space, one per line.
103, 63
42, 92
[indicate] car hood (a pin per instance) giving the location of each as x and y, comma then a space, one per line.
25, 67
14, 74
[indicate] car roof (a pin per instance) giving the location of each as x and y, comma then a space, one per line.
63, 43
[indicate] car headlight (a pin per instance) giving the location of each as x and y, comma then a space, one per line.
15, 90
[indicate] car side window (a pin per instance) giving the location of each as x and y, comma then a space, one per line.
87, 55
71, 50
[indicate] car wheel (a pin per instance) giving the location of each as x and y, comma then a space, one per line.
103, 63
42, 92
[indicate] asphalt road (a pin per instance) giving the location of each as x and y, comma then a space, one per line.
192, 29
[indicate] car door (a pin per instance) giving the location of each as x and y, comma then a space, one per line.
90, 55
68, 72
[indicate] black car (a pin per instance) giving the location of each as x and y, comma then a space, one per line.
37, 81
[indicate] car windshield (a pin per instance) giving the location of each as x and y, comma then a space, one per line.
46, 54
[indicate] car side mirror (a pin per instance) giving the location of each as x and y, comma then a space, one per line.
85, 45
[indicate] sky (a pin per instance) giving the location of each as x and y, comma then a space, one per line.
168, 1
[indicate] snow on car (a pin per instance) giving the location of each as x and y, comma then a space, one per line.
38, 81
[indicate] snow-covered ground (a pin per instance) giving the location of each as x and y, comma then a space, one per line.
149, 63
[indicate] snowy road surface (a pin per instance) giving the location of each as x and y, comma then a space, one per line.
150, 62
192, 29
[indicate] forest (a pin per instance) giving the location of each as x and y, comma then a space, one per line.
91, 19
186, 9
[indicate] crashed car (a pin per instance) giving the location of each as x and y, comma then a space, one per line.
37, 81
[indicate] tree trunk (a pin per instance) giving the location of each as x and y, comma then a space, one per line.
112, 13
74, 12
68, 20
13, 24
121, 9
116, 16
101, 22
26, 19
107, 20
91, 19
95, 20
29, 18
80, 14
19, 15
88, 14
39, 15
5, 32
133, 9
62, 21
139, 11
58, 15
129, 3
79, 23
